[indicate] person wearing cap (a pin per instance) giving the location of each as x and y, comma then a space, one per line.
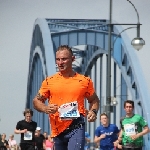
26, 128
39, 139
66, 92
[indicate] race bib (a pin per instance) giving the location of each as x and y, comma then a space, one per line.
129, 129
28, 135
69, 111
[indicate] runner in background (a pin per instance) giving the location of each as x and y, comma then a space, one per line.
133, 127
106, 134
26, 128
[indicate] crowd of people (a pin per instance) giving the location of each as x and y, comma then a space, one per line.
128, 137
107, 136
40, 142
7, 143
66, 92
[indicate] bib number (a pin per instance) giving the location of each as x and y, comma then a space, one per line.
69, 111
28, 135
129, 129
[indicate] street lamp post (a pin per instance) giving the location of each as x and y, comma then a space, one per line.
137, 44
108, 84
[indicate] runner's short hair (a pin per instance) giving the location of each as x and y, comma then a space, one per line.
130, 102
27, 110
65, 47
103, 114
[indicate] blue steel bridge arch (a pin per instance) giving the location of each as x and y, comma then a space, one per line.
48, 34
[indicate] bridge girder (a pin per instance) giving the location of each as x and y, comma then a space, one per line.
48, 34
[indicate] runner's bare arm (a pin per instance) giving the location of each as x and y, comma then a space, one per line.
20, 131
39, 105
94, 102
93, 108
145, 131
98, 138
116, 143
120, 135
87, 140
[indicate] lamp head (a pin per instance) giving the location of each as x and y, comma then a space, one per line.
137, 43
114, 101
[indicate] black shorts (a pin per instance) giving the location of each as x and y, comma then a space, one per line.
27, 146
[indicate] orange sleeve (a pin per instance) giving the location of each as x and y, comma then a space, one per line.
44, 90
90, 88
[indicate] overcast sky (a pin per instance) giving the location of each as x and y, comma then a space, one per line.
16, 26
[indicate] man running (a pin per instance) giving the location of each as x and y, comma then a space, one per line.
66, 92
27, 129
133, 128
106, 134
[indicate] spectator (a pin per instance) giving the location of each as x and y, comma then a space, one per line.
12, 143
87, 141
3, 142
49, 144
39, 139
45, 135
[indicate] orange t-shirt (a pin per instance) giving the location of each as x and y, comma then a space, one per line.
61, 90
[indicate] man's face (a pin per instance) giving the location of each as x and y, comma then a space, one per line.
64, 60
104, 120
38, 132
128, 108
28, 117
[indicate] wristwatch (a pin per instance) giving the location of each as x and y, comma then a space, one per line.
95, 111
